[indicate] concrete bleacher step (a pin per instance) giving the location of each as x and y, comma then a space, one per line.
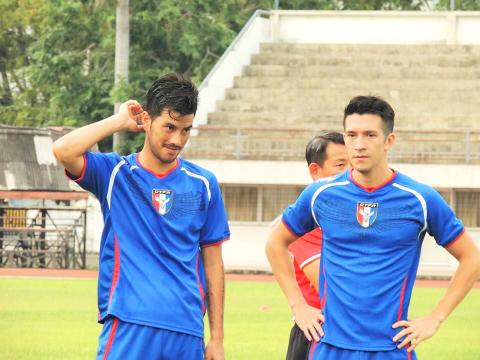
322, 95
366, 59
352, 49
367, 72
287, 105
251, 82
333, 120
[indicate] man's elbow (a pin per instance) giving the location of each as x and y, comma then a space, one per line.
57, 149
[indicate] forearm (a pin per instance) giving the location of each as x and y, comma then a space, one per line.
463, 280
279, 258
215, 294
77, 142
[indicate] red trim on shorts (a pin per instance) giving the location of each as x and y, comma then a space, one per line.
116, 268
455, 240
200, 287
110, 339
161, 176
409, 355
82, 175
402, 296
312, 349
373, 188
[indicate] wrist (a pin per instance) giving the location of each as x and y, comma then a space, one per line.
217, 339
297, 303
439, 317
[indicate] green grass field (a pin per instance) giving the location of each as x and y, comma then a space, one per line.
56, 319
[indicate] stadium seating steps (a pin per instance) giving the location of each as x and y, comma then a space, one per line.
290, 86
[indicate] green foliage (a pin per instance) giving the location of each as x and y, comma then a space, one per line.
469, 5
382, 4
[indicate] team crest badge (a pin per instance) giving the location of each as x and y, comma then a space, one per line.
162, 200
366, 213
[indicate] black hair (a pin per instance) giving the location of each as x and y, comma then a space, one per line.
371, 105
172, 92
316, 151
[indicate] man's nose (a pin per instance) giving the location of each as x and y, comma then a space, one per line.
176, 138
359, 143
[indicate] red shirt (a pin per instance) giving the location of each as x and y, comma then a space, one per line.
305, 250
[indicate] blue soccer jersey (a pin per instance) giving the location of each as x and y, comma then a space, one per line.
154, 226
371, 248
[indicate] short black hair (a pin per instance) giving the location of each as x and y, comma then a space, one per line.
316, 151
371, 105
174, 92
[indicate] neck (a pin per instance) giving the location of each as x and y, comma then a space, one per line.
149, 161
373, 178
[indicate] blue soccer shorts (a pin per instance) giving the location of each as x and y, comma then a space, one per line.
123, 341
323, 351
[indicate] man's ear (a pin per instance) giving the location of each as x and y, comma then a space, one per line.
315, 170
389, 141
146, 117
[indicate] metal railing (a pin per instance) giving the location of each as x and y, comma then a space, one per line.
41, 237
288, 144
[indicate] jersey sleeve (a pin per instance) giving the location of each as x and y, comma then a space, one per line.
442, 223
307, 248
95, 177
298, 217
215, 229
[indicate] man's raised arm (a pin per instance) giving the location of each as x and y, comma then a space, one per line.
69, 149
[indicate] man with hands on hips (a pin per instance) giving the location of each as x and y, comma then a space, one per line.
373, 220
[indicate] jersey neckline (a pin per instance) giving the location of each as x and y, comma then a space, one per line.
373, 188
158, 175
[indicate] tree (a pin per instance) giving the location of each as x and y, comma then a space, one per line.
466, 5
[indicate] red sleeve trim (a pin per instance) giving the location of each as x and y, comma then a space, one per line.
215, 243
82, 175
455, 240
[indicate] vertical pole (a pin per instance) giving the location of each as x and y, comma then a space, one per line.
2, 211
452, 5
276, 4
84, 240
122, 44
43, 239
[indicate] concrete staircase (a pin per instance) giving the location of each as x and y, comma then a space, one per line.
431, 87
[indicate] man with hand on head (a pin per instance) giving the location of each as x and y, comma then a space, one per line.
159, 210
373, 220
326, 156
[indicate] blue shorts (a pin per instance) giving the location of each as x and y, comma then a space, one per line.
122, 340
323, 351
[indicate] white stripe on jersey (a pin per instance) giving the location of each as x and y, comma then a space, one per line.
420, 198
203, 178
112, 179
319, 190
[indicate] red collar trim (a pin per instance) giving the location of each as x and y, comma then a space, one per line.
373, 188
159, 175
